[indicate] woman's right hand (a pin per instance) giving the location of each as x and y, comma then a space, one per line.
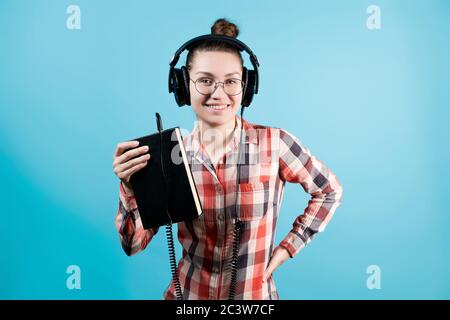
124, 167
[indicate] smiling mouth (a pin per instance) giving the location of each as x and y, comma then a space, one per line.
217, 107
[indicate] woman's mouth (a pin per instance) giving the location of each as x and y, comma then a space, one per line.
217, 107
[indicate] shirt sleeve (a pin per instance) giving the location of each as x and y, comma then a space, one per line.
133, 237
297, 165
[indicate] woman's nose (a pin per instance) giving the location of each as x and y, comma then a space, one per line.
218, 92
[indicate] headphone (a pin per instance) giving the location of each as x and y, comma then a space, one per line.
179, 78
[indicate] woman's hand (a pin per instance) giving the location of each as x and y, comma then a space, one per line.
279, 256
124, 167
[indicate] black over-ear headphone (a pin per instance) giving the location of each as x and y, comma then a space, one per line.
179, 78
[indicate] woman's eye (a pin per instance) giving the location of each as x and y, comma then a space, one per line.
231, 81
206, 81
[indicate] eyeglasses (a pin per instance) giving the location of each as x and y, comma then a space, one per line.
207, 86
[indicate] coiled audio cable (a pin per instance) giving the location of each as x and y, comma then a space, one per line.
238, 223
169, 231
173, 261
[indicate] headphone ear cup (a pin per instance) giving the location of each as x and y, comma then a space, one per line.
179, 87
187, 94
249, 78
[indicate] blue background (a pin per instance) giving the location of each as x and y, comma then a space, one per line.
372, 104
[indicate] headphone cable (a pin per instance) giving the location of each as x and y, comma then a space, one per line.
169, 231
238, 223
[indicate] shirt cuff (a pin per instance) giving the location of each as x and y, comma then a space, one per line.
293, 243
128, 201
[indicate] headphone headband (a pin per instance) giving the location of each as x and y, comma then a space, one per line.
230, 40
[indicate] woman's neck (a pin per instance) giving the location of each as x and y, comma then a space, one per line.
215, 138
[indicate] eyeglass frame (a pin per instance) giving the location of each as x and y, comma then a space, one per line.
216, 83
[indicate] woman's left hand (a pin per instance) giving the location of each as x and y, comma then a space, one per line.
279, 256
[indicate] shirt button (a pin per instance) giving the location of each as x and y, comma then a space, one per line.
220, 216
218, 188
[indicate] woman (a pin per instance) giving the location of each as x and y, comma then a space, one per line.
272, 157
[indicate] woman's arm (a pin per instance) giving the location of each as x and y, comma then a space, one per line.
133, 236
297, 165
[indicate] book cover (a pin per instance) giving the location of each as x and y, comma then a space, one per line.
164, 189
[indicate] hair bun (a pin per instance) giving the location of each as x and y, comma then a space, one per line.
224, 27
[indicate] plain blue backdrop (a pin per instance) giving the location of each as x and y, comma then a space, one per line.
372, 104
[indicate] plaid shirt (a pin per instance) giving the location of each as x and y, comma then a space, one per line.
272, 157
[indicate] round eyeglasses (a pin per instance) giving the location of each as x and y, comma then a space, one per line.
207, 86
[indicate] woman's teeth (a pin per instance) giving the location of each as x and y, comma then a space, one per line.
217, 107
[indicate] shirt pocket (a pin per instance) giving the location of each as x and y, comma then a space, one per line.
253, 200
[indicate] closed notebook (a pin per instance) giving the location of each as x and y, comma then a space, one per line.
165, 186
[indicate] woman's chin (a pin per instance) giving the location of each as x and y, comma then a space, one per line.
216, 121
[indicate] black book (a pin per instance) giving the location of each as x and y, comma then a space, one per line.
165, 189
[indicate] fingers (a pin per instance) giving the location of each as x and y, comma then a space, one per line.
128, 159
121, 147
130, 154
131, 163
125, 175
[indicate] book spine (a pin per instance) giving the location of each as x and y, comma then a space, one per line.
188, 170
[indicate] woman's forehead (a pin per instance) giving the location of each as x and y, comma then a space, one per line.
215, 63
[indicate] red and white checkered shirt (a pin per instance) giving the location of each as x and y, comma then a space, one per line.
271, 156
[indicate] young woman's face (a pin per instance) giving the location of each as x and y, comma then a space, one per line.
217, 108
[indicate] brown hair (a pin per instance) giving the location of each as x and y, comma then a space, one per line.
220, 27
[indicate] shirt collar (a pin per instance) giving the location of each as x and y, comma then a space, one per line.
192, 141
